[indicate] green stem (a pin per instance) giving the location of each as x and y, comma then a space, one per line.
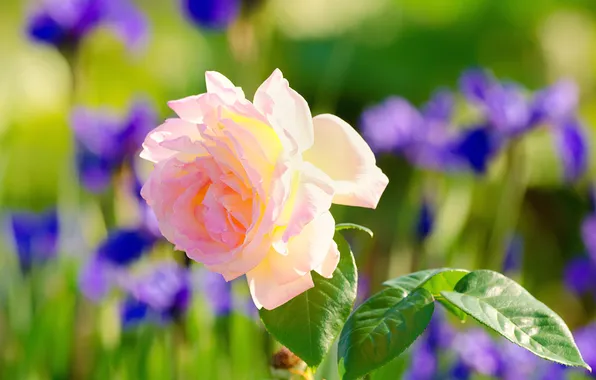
508, 207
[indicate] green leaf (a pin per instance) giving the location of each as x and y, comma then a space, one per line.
353, 226
506, 307
435, 281
309, 323
382, 328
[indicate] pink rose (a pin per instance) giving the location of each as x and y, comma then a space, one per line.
245, 188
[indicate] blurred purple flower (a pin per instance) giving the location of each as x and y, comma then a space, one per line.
475, 84
97, 278
503, 103
160, 296
64, 23
35, 236
478, 352
580, 275
392, 125
518, 363
107, 267
423, 363
439, 108
556, 103
573, 149
588, 231
122, 247
105, 141
363, 288
514, 254
437, 338
508, 110
425, 222
476, 147
212, 14
585, 338
217, 291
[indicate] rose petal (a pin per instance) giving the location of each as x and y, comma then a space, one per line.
327, 267
312, 198
188, 108
349, 162
309, 250
287, 111
173, 137
267, 293
217, 83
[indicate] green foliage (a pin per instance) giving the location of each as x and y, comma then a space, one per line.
353, 226
309, 323
435, 281
382, 328
503, 305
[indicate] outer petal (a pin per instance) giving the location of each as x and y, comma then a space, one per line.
173, 137
345, 157
217, 83
286, 110
312, 198
267, 293
188, 108
310, 250
327, 267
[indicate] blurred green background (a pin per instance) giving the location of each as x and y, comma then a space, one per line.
342, 56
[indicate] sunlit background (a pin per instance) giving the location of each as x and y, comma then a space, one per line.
481, 112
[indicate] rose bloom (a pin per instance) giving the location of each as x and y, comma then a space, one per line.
245, 188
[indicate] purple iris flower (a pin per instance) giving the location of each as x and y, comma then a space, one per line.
425, 223
518, 363
35, 237
556, 102
104, 141
64, 23
475, 85
589, 235
122, 247
475, 147
514, 254
160, 296
437, 338
107, 267
423, 363
557, 106
504, 104
586, 342
212, 14
579, 275
392, 125
217, 291
478, 352
573, 149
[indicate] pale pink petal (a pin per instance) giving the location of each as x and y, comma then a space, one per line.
287, 111
218, 84
267, 293
327, 267
312, 198
308, 250
172, 137
188, 108
345, 157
